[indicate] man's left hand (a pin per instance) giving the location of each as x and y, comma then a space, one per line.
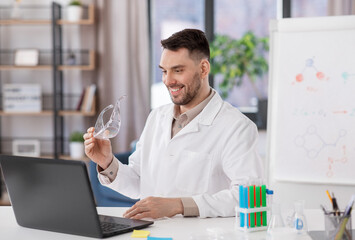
155, 207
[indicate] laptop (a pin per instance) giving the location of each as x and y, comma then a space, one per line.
56, 195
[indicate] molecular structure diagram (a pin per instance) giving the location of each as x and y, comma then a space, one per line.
313, 143
346, 76
331, 161
310, 64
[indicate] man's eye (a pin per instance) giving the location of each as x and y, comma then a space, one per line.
178, 70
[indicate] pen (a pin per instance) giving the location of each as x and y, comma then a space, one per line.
349, 206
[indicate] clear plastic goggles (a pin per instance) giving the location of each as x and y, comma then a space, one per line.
111, 128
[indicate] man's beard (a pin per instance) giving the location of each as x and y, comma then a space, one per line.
193, 90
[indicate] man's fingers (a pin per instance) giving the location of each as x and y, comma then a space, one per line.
90, 130
135, 209
142, 215
129, 211
89, 146
88, 141
88, 135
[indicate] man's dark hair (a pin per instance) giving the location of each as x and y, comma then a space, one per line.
193, 40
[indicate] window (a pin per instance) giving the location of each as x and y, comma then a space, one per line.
309, 8
234, 18
231, 17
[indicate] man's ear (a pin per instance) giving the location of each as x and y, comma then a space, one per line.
205, 68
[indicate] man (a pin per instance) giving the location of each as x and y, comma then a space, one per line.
193, 153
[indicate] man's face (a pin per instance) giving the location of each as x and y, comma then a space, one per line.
180, 75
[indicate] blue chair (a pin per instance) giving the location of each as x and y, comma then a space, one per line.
104, 196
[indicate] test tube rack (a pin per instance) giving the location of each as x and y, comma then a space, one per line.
244, 217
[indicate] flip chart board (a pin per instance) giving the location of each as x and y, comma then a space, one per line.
312, 100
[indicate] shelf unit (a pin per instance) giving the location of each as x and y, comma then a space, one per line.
57, 67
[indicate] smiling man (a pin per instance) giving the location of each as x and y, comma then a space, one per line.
192, 153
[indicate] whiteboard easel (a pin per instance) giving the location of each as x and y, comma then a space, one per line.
312, 100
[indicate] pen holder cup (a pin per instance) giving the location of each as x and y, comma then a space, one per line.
337, 226
251, 219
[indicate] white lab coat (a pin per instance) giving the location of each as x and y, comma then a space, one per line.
206, 160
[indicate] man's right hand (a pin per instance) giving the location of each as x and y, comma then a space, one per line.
98, 150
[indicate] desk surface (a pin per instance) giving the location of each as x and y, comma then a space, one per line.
178, 227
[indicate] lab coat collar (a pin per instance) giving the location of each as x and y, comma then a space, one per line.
206, 117
209, 113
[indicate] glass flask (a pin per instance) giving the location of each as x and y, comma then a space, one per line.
299, 219
276, 221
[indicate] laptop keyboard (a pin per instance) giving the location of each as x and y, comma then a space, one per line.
112, 227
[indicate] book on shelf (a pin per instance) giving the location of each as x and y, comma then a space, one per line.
88, 98
78, 106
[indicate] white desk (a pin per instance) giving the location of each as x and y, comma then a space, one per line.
178, 227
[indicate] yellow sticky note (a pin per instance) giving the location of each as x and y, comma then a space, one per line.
140, 234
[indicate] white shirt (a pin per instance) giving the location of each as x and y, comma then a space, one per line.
206, 160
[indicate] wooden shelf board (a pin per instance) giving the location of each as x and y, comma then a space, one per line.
76, 113
49, 113
43, 113
61, 68
81, 67
13, 67
25, 22
81, 22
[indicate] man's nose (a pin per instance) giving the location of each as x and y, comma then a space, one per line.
169, 79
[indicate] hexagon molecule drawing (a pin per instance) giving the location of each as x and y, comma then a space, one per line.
313, 143
310, 64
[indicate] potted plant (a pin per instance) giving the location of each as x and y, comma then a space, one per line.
76, 145
238, 60
74, 11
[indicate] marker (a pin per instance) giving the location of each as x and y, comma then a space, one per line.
335, 206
